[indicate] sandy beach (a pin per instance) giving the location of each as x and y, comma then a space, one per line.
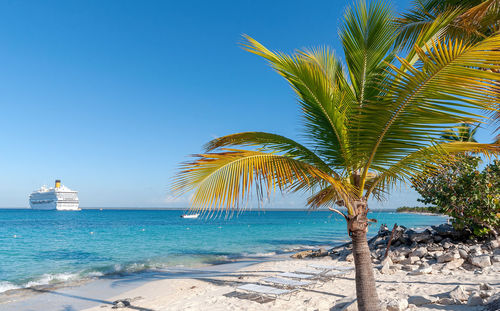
218, 292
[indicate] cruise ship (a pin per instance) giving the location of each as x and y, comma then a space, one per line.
58, 198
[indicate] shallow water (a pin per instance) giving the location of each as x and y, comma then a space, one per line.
41, 247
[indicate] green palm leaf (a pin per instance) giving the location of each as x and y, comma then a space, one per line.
224, 180
271, 141
440, 89
324, 96
412, 165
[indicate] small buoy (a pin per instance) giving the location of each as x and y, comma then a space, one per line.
143, 229
91, 232
14, 236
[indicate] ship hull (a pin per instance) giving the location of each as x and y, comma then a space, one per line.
59, 198
60, 206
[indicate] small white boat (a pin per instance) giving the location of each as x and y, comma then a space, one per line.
190, 216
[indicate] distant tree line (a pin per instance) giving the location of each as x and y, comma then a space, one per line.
416, 209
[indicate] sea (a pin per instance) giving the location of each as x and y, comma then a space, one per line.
49, 247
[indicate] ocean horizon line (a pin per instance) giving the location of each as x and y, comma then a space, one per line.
187, 209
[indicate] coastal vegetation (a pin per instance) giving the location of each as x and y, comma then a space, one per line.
416, 209
370, 124
469, 195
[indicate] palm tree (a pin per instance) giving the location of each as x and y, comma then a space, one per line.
370, 124
463, 132
467, 19
471, 20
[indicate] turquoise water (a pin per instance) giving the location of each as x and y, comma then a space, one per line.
39, 247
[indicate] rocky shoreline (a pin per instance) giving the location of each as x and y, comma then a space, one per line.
435, 250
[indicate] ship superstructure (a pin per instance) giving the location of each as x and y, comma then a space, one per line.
59, 198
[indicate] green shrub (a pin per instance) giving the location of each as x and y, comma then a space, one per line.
471, 197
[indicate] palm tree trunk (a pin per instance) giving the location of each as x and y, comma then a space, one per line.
357, 225
365, 281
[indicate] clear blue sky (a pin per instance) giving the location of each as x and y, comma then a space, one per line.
110, 96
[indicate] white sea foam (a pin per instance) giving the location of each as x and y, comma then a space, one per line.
5, 286
94, 274
259, 254
53, 279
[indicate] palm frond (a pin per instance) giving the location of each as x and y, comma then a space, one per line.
224, 180
324, 95
424, 34
442, 89
274, 142
426, 21
367, 36
463, 132
329, 197
411, 166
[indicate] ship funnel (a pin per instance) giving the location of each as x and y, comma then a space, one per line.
58, 183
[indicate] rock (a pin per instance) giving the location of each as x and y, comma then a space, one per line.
379, 253
302, 254
410, 260
419, 252
443, 229
475, 250
322, 252
494, 244
446, 257
398, 259
463, 253
403, 251
387, 260
424, 265
459, 293
495, 258
421, 300
493, 303
449, 301
452, 265
425, 270
481, 261
349, 257
485, 286
409, 267
437, 254
121, 303
485, 294
475, 300
446, 240
397, 304
379, 241
437, 238
447, 245
434, 248
386, 268
422, 237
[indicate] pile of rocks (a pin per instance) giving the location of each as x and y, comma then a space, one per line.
485, 294
436, 248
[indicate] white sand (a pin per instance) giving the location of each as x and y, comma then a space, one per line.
209, 293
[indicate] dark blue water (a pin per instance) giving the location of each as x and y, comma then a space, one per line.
38, 247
